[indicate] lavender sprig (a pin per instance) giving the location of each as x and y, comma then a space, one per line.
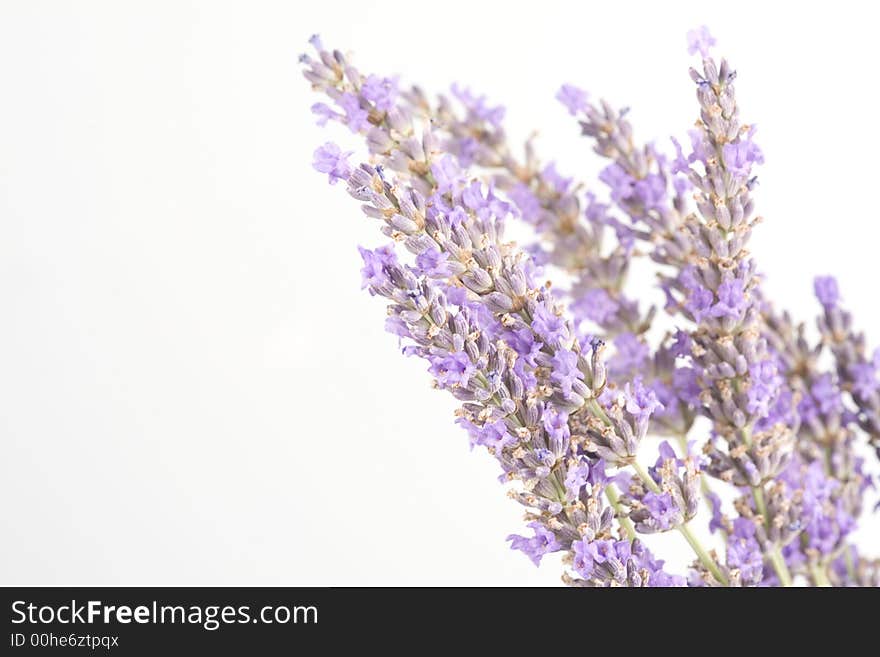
538, 395
857, 372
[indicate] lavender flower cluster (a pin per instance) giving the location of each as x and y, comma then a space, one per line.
761, 428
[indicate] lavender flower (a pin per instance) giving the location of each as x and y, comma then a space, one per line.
826, 291
331, 160
527, 363
700, 41
740, 156
543, 542
574, 98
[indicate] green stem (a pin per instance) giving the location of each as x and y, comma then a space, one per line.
645, 477
599, 411
705, 558
758, 495
614, 501
850, 566
820, 577
779, 566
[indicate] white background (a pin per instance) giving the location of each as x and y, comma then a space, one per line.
193, 388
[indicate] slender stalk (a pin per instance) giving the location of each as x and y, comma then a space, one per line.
705, 558
597, 409
614, 500
779, 566
645, 477
758, 495
850, 566
820, 577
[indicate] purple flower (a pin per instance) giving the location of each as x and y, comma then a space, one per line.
457, 216
556, 426
525, 374
355, 116
701, 149
763, 387
492, 434
717, 521
553, 178
447, 174
382, 92
826, 395
598, 478
826, 291
864, 378
680, 163
574, 98
377, 264
595, 211
782, 411
584, 561
664, 453
589, 554
685, 381
682, 344
641, 401
452, 369
456, 294
630, 355
667, 397
324, 113
535, 547
523, 342
477, 106
472, 196
331, 160
395, 325
744, 551
547, 324
433, 263
824, 519
575, 479
739, 156
482, 318
619, 551
565, 370
662, 508
465, 149
732, 301
682, 186
619, 182
699, 41
698, 302
651, 191
528, 204
596, 305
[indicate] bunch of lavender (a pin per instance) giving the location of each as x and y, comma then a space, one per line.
781, 445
